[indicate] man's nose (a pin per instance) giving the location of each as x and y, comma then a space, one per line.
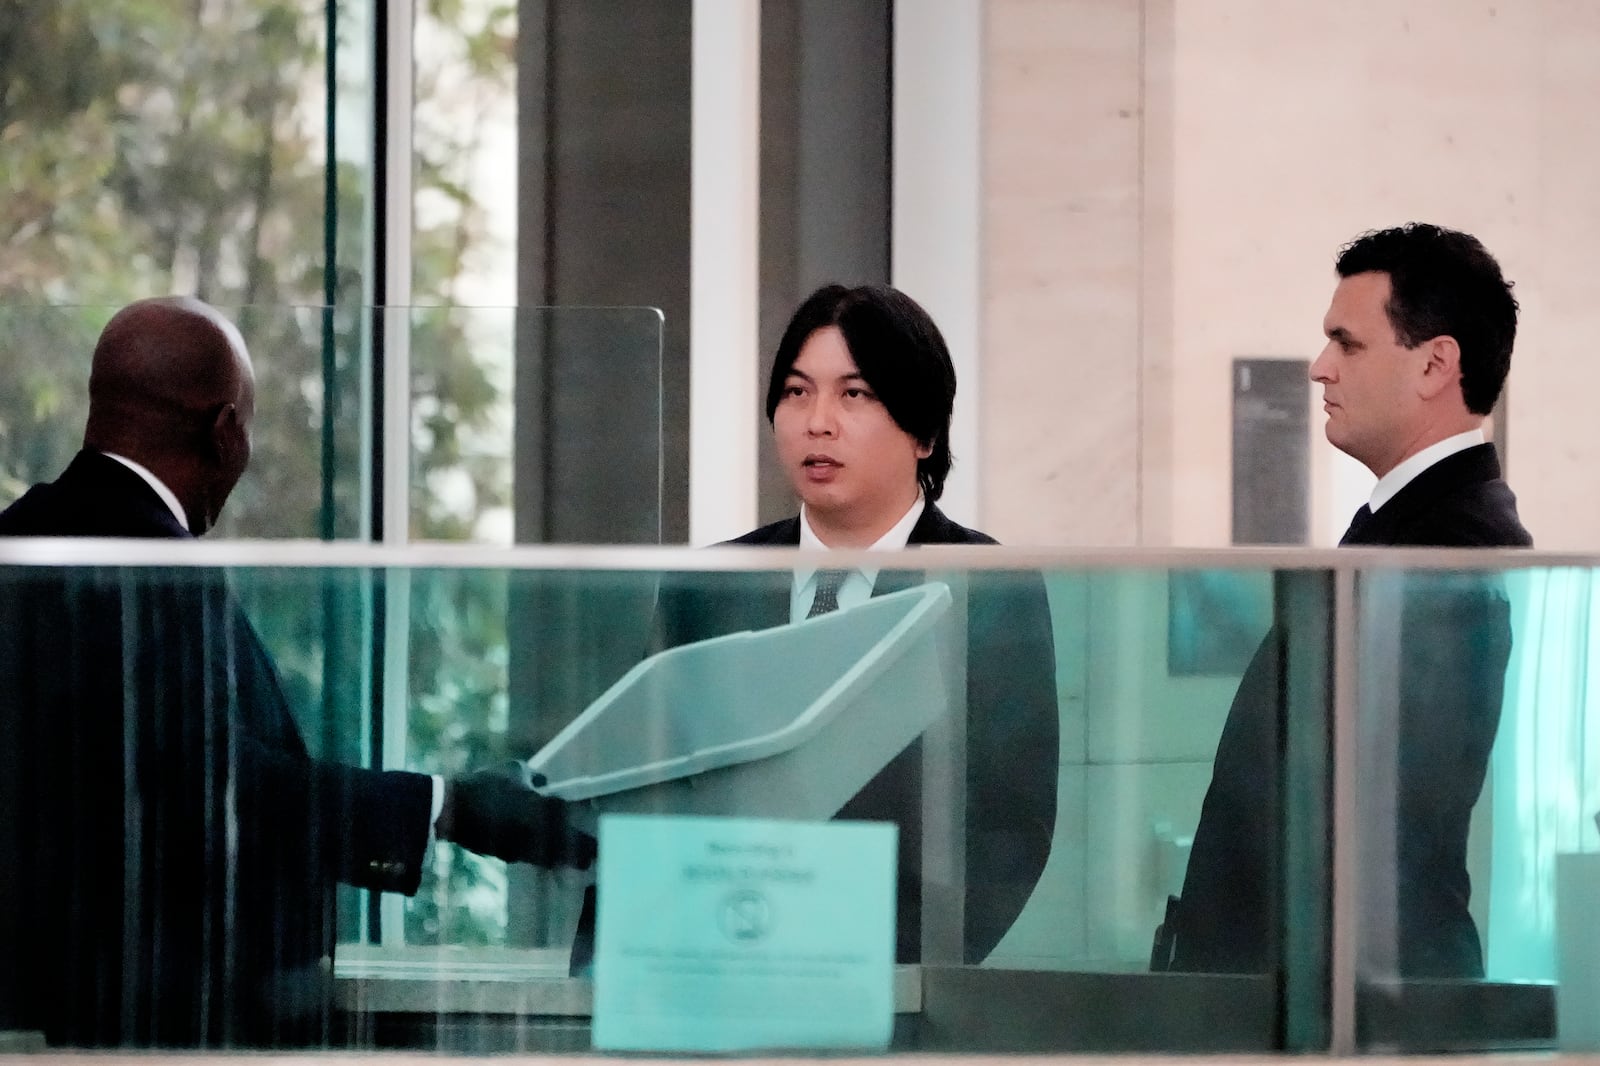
1321, 367
821, 420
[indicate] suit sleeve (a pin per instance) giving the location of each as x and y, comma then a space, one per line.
219, 718
1455, 645
1013, 750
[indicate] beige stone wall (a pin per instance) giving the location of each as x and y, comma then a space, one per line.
1166, 183
1061, 273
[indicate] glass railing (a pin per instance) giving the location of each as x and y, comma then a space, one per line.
1182, 802
1477, 735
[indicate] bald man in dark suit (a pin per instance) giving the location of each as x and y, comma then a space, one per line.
169, 846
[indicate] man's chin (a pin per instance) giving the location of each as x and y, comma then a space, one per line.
814, 493
1345, 445
822, 501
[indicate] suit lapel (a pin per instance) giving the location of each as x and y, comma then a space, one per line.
931, 527
1471, 466
773, 606
897, 581
934, 528
779, 534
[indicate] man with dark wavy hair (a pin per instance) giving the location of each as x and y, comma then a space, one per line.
1420, 331
1419, 343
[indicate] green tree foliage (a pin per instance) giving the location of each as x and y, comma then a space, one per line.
156, 146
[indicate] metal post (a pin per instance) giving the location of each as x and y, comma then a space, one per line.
1344, 937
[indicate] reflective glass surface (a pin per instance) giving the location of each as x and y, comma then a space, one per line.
1479, 766
1039, 732
218, 782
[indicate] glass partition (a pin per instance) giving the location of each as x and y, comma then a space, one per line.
1480, 761
1039, 731
522, 424
1061, 744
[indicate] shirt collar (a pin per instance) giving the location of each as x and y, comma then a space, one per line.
168, 497
897, 537
1391, 483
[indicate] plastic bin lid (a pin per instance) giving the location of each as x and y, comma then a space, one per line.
734, 698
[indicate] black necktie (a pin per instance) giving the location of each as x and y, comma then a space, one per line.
1363, 516
827, 598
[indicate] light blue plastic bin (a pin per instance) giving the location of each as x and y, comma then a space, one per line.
788, 722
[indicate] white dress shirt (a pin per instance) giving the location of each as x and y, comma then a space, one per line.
858, 582
1391, 483
170, 498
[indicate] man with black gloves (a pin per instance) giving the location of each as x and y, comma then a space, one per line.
169, 848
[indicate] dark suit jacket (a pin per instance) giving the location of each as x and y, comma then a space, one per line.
1013, 725
169, 879
1455, 641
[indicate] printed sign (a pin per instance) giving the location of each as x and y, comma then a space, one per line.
729, 934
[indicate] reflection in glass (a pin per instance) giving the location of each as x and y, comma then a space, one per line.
499, 660
1545, 773
1435, 651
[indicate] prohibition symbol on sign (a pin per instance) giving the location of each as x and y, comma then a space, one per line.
745, 916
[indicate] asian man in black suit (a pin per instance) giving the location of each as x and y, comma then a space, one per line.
860, 397
1420, 332
169, 847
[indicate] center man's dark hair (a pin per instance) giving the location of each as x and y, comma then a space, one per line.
901, 355
1444, 283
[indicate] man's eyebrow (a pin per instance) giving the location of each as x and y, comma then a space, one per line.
854, 375
1340, 334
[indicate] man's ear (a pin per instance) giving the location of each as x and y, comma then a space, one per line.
223, 434
924, 450
1442, 368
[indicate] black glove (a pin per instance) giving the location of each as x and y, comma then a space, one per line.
496, 812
